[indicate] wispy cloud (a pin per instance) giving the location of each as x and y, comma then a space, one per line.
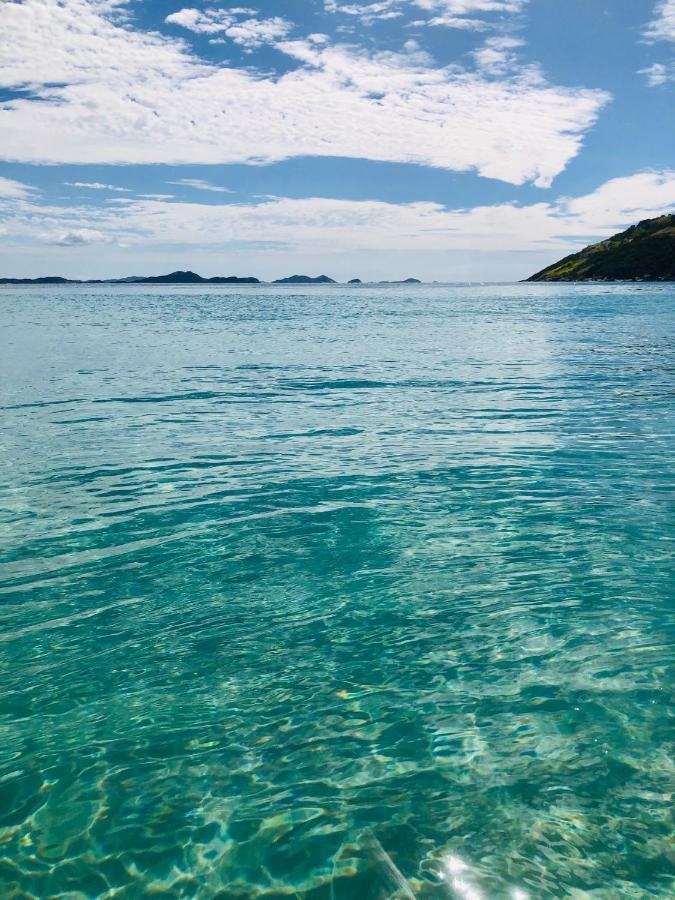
200, 184
366, 12
498, 55
658, 74
14, 189
465, 14
96, 186
662, 26
93, 77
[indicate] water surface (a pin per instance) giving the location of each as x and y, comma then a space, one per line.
337, 593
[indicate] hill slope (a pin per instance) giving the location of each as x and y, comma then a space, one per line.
645, 252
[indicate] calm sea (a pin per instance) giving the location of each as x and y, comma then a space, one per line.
337, 594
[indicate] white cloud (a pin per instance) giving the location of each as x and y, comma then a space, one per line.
662, 26
329, 226
96, 186
105, 93
247, 32
14, 189
200, 184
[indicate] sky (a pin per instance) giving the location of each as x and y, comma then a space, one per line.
450, 140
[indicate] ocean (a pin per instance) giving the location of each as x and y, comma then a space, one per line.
337, 593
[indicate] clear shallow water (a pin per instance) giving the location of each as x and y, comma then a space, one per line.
337, 593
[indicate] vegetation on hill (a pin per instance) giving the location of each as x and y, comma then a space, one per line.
645, 252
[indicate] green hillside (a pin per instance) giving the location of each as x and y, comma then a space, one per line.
646, 252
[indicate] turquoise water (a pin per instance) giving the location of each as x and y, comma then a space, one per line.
330, 593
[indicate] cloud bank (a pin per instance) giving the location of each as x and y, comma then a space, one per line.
324, 225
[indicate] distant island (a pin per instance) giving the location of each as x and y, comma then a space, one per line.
172, 278
305, 279
191, 278
188, 277
645, 252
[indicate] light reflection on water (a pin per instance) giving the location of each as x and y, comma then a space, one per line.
337, 594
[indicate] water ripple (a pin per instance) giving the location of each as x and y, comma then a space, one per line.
337, 595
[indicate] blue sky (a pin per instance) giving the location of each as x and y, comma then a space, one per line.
447, 139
